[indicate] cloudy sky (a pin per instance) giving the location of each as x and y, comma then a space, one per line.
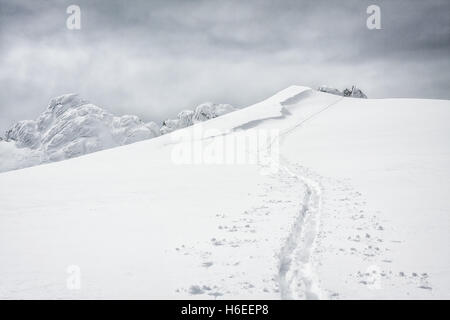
155, 58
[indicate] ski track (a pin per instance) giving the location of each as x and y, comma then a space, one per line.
296, 276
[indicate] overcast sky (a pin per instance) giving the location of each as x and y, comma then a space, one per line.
155, 58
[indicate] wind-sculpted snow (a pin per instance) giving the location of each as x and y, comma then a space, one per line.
69, 127
203, 112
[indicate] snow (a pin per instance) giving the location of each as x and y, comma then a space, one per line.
202, 112
12, 157
325, 88
387, 188
70, 127
356, 208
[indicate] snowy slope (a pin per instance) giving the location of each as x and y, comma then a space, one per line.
346, 199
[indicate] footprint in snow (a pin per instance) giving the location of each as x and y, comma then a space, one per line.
207, 264
216, 242
195, 289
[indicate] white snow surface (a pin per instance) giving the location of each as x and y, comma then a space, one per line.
358, 209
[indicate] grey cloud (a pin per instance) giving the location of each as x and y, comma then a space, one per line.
154, 58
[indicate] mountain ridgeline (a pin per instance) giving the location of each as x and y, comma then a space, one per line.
71, 126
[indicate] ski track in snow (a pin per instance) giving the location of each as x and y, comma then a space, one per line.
296, 278
296, 275
301, 251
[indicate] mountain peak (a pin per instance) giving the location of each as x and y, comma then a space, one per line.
71, 126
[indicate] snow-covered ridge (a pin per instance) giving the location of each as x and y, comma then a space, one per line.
203, 112
71, 126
